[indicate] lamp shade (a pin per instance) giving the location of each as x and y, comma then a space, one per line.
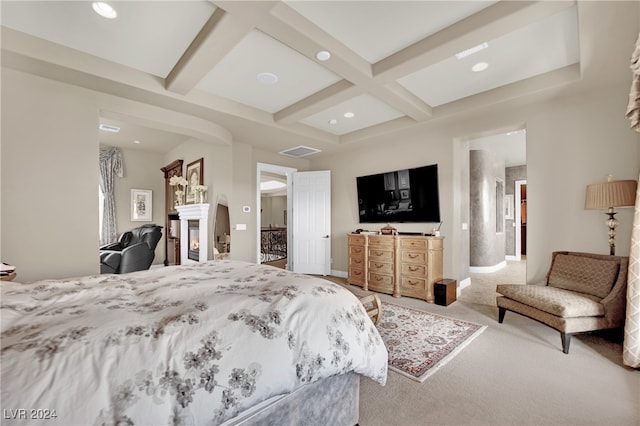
619, 193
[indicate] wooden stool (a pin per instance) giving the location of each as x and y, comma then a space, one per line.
373, 305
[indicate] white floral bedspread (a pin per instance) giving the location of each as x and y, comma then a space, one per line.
176, 345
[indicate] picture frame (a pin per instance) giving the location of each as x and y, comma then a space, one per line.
141, 205
194, 176
508, 207
404, 194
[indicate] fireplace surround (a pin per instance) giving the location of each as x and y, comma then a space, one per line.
194, 231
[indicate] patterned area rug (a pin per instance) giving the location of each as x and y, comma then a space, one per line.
420, 342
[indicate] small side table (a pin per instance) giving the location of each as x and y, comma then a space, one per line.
10, 277
445, 291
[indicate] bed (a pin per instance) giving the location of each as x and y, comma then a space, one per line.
218, 342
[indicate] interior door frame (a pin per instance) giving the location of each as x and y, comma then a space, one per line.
517, 218
284, 171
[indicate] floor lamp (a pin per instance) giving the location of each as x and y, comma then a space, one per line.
608, 195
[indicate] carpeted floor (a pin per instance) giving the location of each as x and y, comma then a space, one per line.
483, 286
514, 373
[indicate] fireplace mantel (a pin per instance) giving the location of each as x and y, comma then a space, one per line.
199, 212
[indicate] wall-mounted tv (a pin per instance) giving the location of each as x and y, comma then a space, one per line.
408, 195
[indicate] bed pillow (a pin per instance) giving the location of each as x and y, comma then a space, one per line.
583, 274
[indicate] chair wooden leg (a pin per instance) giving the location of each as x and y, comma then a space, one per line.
373, 306
501, 312
566, 340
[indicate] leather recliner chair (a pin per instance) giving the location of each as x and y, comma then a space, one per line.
134, 251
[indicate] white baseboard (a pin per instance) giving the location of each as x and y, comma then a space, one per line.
487, 269
336, 273
463, 284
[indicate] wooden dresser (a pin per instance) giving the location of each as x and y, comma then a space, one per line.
400, 265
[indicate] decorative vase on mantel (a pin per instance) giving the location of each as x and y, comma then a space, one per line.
201, 197
199, 194
179, 201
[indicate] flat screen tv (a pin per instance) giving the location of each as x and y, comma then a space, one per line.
408, 195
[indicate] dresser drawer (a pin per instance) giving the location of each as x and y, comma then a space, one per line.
379, 282
414, 269
356, 262
356, 276
380, 267
357, 239
381, 241
356, 251
413, 287
410, 243
380, 255
413, 256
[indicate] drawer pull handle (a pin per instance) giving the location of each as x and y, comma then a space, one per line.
413, 256
358, 250
379, 253
379, 278
414, 283
379, 265
413, 269
357, 261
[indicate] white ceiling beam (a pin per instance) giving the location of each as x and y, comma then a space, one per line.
216, 38
294, 30
488, 24
319, 101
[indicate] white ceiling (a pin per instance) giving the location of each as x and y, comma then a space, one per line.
393, 63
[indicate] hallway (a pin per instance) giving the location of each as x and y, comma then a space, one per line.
483, 286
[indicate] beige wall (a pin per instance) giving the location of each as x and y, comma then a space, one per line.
571, 142
141, 171
272, 211
49, 178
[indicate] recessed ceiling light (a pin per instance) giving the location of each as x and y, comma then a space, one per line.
323, 55
480, 66
349, 114
137, 142
333, 121
109, 128
267, 78
104, 9
471, 50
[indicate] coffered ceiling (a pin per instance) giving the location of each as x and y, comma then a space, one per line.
251, 67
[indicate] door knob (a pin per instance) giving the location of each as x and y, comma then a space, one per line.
326, 236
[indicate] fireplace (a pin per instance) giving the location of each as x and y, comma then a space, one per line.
194, 233
194, 240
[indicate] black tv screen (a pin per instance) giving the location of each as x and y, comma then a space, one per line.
408, 195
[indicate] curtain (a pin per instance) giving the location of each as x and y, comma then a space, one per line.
631, 345
110, 167
633, 109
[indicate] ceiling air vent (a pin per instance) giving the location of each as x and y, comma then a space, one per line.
299, 151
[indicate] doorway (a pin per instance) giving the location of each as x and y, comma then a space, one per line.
508, 147
307, 216
520, 222
273, 191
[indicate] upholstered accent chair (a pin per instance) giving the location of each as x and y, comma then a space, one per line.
582, 292
134, 251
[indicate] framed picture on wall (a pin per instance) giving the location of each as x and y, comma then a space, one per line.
141, 205
508, 207
195, 176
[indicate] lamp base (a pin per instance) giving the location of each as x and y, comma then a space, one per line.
612, 222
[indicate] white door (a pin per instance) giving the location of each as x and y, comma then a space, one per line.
311, 214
